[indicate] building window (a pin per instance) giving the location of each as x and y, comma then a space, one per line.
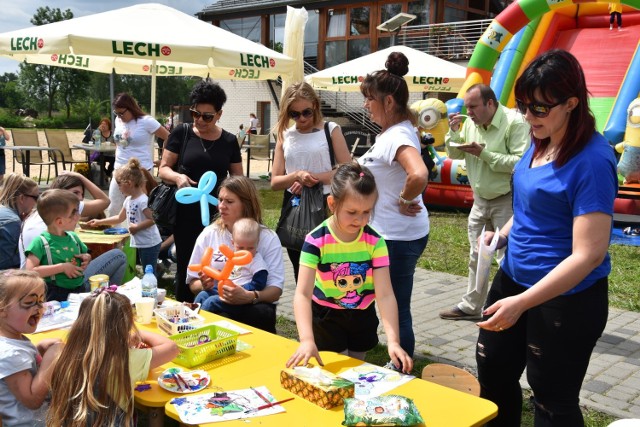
359, 17
420, 9
388, 11
276, 31
311, 37
335, 53
358, 48
249, 28
337, 23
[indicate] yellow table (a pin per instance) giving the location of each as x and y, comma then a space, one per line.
261, 364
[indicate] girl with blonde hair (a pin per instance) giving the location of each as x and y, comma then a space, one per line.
302, 156
105, 355
24, 384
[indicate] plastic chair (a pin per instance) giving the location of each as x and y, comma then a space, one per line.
57, 138
452, 377
29, 138
259, 149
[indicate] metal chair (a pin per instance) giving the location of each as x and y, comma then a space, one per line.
57, 138
29, 138
259, 149
452, 377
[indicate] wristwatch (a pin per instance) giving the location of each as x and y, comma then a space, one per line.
255, 297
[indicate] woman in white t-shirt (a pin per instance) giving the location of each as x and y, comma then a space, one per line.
133, 135
401, 175
302, 151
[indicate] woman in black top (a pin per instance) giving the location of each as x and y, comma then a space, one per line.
208, 148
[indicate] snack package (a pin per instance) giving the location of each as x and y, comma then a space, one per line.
317, 386
392, 410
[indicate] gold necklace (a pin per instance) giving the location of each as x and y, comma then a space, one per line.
549, 154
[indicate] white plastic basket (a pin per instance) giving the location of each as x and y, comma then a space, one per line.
176, 319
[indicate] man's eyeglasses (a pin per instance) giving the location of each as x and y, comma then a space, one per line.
206, 117
121, 113
306, 113
32, 196
538, 109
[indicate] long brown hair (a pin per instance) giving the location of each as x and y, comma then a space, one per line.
557, 76
246, 191
93, 376
124, 100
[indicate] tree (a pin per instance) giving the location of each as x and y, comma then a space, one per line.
73, 85
43, 81
11, 96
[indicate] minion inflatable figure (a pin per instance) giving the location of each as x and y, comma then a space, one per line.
433, 124
629, 164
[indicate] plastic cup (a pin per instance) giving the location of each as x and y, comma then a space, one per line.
162, 293
98, 281
144, 310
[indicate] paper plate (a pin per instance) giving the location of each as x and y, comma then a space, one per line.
115, 231
195, 380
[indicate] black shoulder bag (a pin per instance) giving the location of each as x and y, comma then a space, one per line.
303, 214
162, 199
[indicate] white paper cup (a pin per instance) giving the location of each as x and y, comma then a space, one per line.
144, 310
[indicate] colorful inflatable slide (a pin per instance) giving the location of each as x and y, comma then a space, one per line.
610, 58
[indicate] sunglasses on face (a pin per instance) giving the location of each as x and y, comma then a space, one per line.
206, 117
32, 196
121, 113
538, 109
306, 113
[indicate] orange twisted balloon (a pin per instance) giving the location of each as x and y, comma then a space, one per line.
222, 276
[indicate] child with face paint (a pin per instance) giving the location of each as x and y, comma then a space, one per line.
25, 369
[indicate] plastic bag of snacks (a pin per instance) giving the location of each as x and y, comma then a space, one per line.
392, 410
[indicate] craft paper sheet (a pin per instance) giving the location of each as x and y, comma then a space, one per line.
371, 380
205, 408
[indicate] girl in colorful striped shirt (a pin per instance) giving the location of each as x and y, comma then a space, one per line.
341, 261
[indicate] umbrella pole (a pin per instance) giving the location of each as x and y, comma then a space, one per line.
153, 99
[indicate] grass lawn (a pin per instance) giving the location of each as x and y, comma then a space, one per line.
448, 251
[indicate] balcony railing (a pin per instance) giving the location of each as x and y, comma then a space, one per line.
451, 40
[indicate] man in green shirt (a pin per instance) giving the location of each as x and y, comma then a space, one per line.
491, 141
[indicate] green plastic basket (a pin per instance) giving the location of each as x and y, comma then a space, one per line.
204, 344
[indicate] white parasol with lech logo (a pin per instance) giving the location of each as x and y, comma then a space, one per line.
145, 39
427, 73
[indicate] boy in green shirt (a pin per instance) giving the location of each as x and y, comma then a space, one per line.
58, 255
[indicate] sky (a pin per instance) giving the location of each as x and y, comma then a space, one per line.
21, 11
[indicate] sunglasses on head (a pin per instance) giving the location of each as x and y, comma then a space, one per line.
206, 117
306, 113
538, 109
120, 114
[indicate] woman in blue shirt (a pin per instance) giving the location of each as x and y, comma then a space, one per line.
548, 303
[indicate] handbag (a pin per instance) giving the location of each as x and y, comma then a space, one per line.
162, 199
300, 216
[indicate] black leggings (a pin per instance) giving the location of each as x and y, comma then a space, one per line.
617, 16
554, 341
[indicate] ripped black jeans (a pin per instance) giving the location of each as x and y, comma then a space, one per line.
554, 341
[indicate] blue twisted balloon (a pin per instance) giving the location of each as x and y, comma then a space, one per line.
201, 194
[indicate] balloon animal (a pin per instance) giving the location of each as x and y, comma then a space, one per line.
222, 276
201, 194
629, 164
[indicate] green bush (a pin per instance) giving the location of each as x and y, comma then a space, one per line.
10, 120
